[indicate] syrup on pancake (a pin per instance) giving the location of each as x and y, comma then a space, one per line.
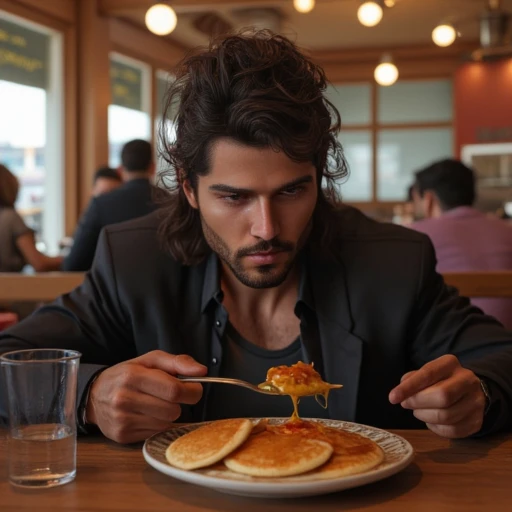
298, 380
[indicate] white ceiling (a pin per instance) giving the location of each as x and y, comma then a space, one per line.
333, 24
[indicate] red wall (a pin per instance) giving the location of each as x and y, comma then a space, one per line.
483, 103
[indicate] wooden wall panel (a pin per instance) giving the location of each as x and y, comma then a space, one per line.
63, 10
140, 44
93, 76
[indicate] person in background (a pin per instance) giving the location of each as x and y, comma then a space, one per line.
106, 179
465, 239
17, 240
134, 198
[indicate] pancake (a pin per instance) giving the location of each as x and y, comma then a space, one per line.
352, 454
208, 444
272, 455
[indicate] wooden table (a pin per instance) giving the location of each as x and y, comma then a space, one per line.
460, 476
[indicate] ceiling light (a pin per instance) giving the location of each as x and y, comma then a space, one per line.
386, 73
389, 3
304, 5
370, 13
161, 19
444, 35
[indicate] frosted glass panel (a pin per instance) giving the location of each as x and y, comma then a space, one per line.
401, 153
415, 102
125, 124
358, 153
352, 101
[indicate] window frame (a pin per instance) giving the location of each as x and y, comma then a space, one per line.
374, 127
56, 191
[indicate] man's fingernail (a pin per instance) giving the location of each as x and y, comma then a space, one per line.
393, 397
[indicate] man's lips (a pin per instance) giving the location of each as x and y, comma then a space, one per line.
265, 257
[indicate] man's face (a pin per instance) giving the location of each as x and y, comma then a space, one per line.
426, 206
256, 208
104, 185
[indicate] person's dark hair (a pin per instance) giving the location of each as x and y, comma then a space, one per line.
137, 155
107, 172
452, 182
9, 187
260, 90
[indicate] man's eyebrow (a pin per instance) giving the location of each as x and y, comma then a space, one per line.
235, 190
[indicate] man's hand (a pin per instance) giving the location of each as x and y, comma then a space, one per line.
446, 396
138, 398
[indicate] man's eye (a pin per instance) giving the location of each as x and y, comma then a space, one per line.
232, 198
292, 191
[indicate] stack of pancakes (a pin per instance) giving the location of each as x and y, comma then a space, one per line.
304, 450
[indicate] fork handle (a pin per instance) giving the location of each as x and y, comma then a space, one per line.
184, 378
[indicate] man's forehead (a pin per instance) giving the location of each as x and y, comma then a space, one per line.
239, 163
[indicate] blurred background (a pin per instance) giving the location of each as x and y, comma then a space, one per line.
415, 81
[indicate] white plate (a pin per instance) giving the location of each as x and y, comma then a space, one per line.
398, 453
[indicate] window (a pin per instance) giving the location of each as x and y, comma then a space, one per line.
353, 102
410, 125
402, 152
354, 105
31, 123
357, 146
163, 80
129, 112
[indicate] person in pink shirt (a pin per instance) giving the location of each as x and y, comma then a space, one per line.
464, 238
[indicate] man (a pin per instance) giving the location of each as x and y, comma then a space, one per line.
106, 179
252, 265
465, 239
133, 199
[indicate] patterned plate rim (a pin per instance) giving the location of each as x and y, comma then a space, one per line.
393, 463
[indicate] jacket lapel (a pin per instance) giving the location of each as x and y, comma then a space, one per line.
342, 351
195, 334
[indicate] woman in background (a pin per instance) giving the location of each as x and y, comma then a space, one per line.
17, 240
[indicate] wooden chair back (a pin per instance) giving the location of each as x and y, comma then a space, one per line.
481, 284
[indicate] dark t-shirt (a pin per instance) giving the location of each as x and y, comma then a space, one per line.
245, 360
12, 227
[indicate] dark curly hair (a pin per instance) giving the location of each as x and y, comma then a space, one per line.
260, 90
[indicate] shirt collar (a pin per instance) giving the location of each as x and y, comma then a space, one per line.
211, 283
462, 211
212, 291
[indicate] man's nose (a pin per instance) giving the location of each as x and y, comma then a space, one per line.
264, 224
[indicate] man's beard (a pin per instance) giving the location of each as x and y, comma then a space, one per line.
267, 276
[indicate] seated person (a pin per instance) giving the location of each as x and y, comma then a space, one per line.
17, 240
253, 264
464, 238
134, 198
106, 179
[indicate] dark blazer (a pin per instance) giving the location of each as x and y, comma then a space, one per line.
382, 311
131, 200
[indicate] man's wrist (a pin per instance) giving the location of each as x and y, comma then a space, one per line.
495, 411
85, 418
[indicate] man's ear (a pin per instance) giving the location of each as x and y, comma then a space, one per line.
430, 203
190, 194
